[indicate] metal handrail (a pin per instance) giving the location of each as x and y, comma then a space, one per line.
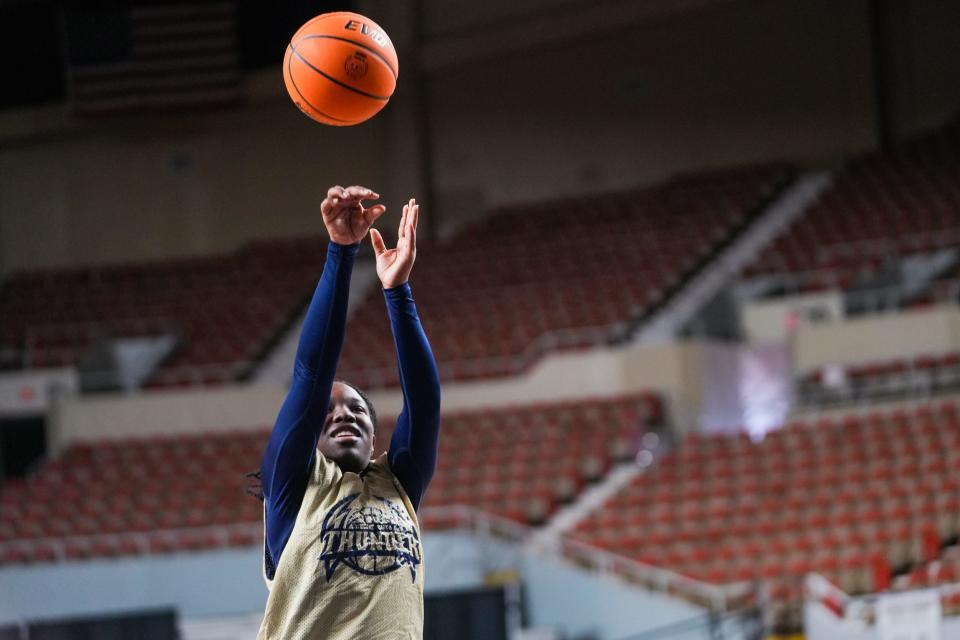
818, 587
883, 246
485, 524
543, 343
717, 597
140, 538
380, 376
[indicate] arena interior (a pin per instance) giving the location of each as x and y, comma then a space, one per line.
690, 270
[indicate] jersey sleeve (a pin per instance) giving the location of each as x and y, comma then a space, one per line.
286, 463
413, 447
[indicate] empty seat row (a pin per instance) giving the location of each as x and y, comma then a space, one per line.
184, 492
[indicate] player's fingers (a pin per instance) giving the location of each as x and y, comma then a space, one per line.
412, 205
377, 240
416, 218
357, 192
403, 222
412, 230
374, 212
335, 191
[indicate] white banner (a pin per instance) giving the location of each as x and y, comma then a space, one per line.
913, 615
30, 392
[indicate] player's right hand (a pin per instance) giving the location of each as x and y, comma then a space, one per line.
344, 215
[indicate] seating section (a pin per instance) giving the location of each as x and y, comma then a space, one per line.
898, 378
188, 492
880, 207
133, 496
522, 462
558, 274
224, 309
853, 499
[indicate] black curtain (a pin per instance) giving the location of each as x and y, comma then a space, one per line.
467, 615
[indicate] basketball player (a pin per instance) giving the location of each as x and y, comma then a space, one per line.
342, 552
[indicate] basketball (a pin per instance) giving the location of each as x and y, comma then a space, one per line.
340, 68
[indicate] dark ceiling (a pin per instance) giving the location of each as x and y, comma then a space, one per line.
32, 48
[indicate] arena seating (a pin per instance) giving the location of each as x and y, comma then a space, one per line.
530, 278
119, 497
522, 462
188, 492
880, 207
566, 273
224, 309
854, 499
898, 378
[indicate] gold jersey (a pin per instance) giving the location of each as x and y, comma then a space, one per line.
353, 567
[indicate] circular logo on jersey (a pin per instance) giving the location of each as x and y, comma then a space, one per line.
356, 65
372, 538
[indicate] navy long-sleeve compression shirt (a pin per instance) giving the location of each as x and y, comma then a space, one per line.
285, 468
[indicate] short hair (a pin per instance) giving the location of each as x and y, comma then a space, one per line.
256, 490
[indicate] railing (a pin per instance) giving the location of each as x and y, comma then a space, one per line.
141, 540
912, 383
194, 375
873, 299
715, 597
483, 524
728, 597
477, 367
896, 297
197, 375
478, 521
861, 608
88, 333
922, 241
744, 624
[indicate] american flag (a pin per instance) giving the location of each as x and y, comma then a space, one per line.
151, 57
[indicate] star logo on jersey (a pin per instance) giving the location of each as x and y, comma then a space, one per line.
373, 538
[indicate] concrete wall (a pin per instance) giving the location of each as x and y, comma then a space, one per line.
568, 101
876, 338
137, 190
736, 82
924, 41
211, 583
681, 372
222, 583
671, 369
767, 321
921, 39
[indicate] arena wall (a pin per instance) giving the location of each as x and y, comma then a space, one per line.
612, 106
143, 189
877, 338
671, 369
738, 82
920, 40
681, 372
220, 583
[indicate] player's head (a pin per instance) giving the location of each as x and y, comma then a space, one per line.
349, 429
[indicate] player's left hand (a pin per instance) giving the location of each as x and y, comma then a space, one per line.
394, 265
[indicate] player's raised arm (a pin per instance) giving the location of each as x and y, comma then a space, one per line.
413, 448
286, 462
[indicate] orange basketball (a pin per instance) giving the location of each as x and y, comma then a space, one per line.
340, 68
